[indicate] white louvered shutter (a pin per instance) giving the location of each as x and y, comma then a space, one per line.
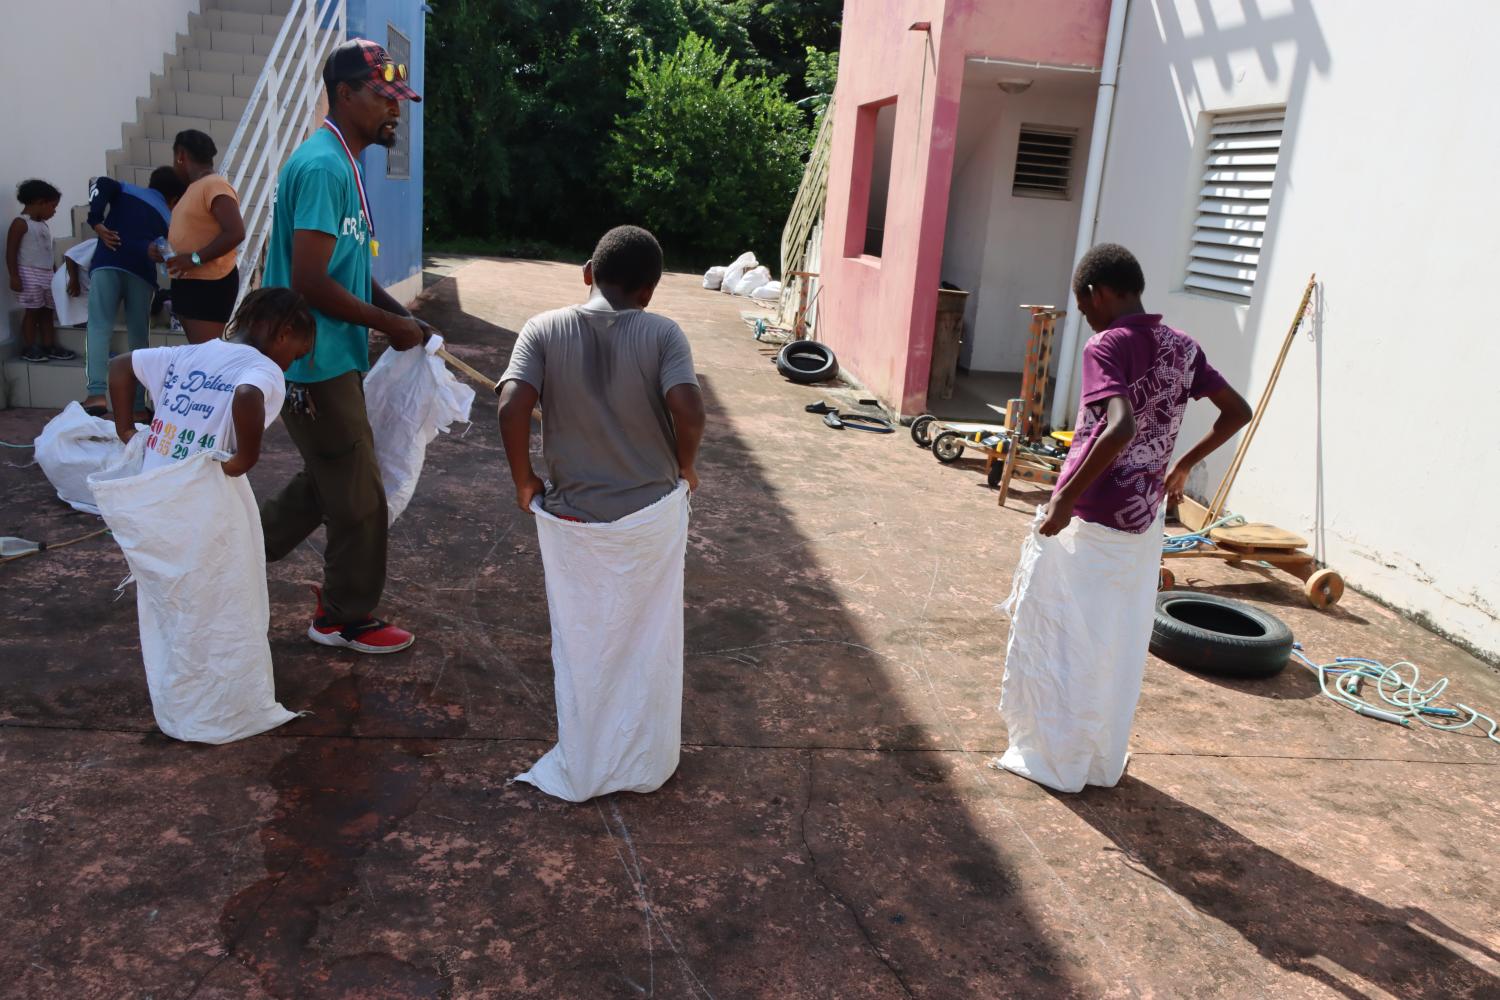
1239, 171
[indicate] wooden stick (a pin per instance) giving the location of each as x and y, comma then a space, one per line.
466, 369
480, 377
1216, 509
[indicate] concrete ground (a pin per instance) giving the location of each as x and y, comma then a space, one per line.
835, 829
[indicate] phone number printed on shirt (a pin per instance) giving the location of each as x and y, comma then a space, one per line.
176, 443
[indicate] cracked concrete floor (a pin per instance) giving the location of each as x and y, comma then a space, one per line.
834, 830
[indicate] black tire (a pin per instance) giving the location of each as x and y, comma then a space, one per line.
948, 447
919, 428
806, 362
1214, 635
997, 467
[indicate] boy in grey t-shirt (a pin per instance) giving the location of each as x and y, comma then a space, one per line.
622, 414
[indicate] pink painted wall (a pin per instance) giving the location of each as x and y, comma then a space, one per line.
878, 314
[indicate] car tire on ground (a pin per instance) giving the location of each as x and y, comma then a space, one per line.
1214, 635
806, 362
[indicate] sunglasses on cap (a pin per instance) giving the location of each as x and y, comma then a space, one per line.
391, 72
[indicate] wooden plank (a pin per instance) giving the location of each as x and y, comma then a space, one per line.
1192, 514
1257, 536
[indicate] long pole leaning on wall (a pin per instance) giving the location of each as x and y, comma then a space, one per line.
1088, 215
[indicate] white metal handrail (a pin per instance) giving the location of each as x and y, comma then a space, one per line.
278, 116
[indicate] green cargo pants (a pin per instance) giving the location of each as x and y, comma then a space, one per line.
339, 487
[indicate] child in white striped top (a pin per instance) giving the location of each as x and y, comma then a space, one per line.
28, 258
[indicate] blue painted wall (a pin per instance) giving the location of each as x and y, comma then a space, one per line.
396, 203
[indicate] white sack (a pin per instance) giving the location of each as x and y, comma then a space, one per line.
734, 272
192, 538
70, 448
614, 592
713, 278
72, 311
752, 280
769, 292
411, 396
1081, 607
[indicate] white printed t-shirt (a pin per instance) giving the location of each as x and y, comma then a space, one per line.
193, 387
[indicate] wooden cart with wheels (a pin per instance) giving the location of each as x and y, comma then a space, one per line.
1263, 543
1015, 448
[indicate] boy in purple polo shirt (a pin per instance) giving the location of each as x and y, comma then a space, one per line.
1070, 689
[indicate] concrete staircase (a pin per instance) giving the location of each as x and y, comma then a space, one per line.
205, 83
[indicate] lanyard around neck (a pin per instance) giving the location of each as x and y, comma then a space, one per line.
359, 181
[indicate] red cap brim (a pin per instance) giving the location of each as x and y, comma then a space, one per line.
396, 90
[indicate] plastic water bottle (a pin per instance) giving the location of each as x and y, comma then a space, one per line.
163, 276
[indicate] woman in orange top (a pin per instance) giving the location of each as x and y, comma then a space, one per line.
206, 229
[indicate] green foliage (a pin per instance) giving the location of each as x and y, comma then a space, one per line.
822, 73
523, 97
708, 159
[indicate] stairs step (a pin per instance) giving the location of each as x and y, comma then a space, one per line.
75, 338
198, 105
53, 385
214, 61
244, 23
280, 7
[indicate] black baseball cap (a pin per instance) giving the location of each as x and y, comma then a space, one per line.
360, 60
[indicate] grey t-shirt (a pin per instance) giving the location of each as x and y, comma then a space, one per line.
603, 374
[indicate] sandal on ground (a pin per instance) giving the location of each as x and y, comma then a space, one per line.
858, 422
820, 407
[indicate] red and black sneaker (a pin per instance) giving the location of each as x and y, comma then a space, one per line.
369, 636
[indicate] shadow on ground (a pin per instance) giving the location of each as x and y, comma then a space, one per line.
834, 829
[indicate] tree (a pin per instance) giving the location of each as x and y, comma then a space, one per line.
708, 159
822, 73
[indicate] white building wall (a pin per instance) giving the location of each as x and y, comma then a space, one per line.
1377, 444
1002, 249
72, 70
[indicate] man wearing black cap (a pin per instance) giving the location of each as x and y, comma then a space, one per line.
322, 239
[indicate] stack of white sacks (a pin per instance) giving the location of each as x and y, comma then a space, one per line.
744, 277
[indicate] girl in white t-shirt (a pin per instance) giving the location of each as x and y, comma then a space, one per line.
220, 395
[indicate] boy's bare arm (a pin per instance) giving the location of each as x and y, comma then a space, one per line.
249, 413
122, 383
685, 404
1234, 413
13, 252
517, 399
1118, 431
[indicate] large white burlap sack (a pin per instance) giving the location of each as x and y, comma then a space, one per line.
411, 397
769, 292
192, 538
753, 279
713, 278
614, 592
1081, 607
73, 446
734, 272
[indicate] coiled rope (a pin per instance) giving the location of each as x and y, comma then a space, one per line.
1199, 538
1402, 698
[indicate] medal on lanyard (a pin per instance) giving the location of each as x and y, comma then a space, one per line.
359, 183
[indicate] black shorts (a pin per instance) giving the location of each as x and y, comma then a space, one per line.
210, 300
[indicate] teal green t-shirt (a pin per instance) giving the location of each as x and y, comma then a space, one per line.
316, 190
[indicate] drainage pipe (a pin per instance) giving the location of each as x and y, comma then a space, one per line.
1088, 216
